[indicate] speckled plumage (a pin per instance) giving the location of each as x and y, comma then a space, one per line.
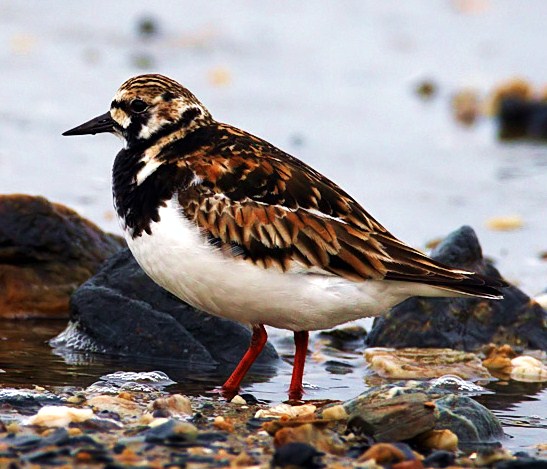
239, 228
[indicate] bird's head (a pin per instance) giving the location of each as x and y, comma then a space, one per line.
145, 108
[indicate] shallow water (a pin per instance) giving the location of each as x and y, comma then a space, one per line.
330, 373
331, 82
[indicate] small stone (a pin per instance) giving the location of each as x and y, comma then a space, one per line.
498, 360
287, 410
76, 400
336, 412
220, 76
297, 455
528, 369
13, 427
466, 106
505, 223
172, 431
387, 453
238, 400
415, 363
175, 405
438, 439
125, 408
426, 89
315, 434
224, 424
147, 27
59, 416
440, 459
490, 456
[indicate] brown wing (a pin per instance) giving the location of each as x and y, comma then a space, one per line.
271, 209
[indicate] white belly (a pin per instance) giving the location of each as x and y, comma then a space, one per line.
177, 257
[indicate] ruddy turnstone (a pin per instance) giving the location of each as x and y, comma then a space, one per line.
240, 229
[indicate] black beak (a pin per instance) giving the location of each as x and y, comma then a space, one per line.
98, 125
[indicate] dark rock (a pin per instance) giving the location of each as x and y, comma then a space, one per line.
440, 459
297, 455
463, 323
172, 432
336, 367
522, 119
345, 337
46, 251
27, 401
122, 311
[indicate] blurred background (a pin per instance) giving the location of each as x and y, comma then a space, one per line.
389, 99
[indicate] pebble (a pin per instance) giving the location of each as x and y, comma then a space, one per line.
287, 411
297, 455
439, 439
420, 363
238, 400
125, 408
505, 223
59, 416
175, 405
528, 369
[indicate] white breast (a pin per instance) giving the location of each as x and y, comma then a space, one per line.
178, 258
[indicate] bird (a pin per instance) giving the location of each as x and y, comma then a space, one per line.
238, 228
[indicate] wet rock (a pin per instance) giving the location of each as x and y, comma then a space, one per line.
172, 432
400, 418
388, 454
407, 409
314, 433
287, 411
297, 455
463, 323
106, 405
27, 401
470, 421
46, 251
438, 439
345, 337
528, 370
490, 456
415, 363
175, 405
498, 360
59, 416
440, 459
122, 311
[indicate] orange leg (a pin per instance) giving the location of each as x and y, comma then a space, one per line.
258, 340
301, 342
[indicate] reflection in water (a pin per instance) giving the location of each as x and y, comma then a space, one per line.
334, 373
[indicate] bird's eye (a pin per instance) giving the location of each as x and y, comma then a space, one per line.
138, 106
